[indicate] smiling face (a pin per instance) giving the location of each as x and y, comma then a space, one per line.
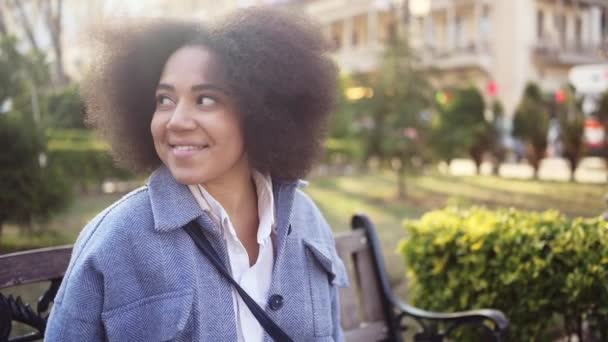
195, 127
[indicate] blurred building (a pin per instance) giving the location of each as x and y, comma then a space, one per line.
498, 45
80, 16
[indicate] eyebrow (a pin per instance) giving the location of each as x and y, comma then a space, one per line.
196, 87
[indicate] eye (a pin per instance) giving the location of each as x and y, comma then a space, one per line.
164, 100
206, 101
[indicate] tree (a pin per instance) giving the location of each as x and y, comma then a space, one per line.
31, 191
31, 16
65, 109
531, 123
460, 127
497, 133
572, 124
401, 94
602, 112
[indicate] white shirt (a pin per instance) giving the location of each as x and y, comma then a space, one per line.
255, 280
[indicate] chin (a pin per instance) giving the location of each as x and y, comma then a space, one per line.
187, 177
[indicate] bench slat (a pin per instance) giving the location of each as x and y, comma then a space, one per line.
349, 306
376, 331
33, 266
350, 243
368, 283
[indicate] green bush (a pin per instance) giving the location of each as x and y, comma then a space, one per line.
84, 159
31, 191
540, 269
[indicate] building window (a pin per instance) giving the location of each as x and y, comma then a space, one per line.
429, 31
604, 23
336, 34
385, 26
578, 32
540, 24
560, 25
392, 31
458, 32
360, 30
484, 24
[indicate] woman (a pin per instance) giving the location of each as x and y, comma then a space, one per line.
229, 120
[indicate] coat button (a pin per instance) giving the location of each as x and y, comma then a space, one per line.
275, 302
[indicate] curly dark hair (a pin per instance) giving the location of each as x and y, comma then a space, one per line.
278, 72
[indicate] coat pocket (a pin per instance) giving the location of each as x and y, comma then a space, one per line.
325, 269
156, 318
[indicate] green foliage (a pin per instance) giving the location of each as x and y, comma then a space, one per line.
344, 141
460, 128
401, 93
347, 149
30, 193
84, 158
602, 112
8, 76
531, 123
495, 135
572, 125
532, 266
65, 108
341, 122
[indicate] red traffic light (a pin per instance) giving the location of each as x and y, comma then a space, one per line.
560, 96
492, 88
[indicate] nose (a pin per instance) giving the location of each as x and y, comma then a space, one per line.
181, 118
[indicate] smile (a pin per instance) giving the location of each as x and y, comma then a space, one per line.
189, 147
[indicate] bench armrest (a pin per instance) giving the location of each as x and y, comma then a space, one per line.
428, 320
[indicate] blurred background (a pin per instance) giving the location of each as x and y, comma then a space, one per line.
475, 106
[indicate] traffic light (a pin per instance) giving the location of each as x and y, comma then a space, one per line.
492, 88
443, 97
560, 96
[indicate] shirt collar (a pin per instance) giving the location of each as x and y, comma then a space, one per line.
265, 196
173, 204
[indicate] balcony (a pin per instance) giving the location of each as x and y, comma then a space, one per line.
568, 54
361, 59
471, 56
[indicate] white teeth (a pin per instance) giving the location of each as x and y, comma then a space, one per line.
188, 147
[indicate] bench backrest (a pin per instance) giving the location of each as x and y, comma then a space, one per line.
363, 306
22, 268
366, 314
34, 266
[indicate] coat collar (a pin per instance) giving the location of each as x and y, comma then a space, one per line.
173, 205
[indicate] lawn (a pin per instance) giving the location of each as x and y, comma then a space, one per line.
375, 195
339, 197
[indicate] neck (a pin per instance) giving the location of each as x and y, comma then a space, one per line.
235, 191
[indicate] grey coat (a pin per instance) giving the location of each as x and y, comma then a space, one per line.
135, 275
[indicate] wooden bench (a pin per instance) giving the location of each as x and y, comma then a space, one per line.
369, 309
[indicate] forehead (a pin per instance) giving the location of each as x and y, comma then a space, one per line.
192, 64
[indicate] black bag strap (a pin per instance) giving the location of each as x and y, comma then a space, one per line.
207, 249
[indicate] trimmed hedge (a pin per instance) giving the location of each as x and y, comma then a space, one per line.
83, 157
540, 269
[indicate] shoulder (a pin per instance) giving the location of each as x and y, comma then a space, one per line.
129, 215
309, 218
317, 235
104, 236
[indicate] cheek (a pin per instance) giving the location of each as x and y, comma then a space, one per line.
235, 134
157, 128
